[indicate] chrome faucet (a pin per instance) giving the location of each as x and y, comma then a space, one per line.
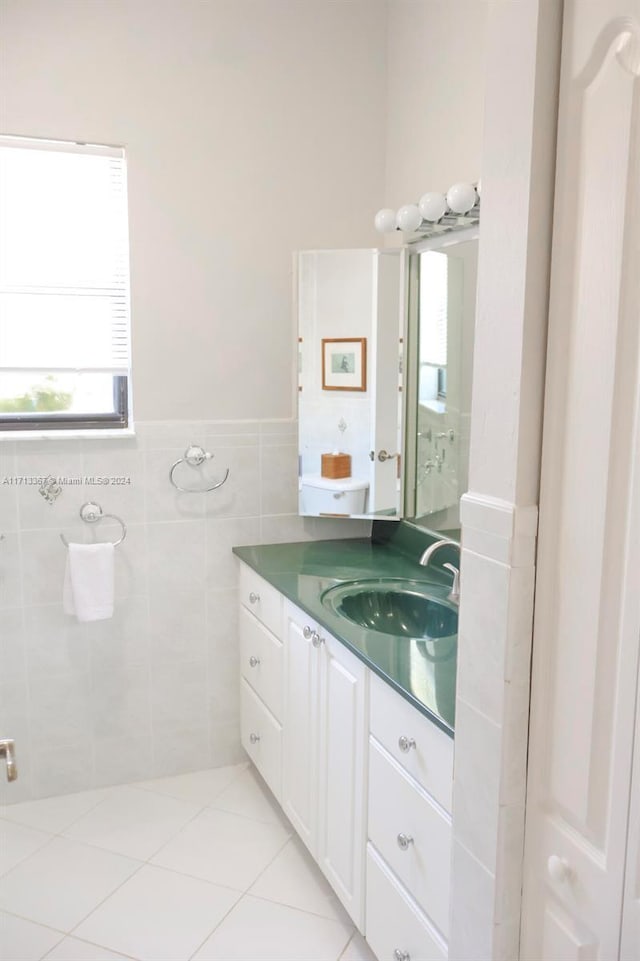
454, 593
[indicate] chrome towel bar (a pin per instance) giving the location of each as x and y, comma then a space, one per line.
195, 456
91, 513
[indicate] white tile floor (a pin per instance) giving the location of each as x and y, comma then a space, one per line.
200, 866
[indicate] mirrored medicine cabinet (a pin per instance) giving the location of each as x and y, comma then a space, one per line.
385, 353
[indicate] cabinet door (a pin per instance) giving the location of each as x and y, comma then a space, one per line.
342, 787
300, 726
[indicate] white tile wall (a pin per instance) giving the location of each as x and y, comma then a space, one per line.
153, 691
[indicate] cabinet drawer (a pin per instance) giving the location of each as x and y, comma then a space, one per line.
412, 833
261, 599
261, 738
261, 661
428, 751
395, 925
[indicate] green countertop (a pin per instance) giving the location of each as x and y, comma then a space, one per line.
302, 571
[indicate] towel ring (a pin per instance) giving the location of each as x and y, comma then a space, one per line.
195, 456
91, 513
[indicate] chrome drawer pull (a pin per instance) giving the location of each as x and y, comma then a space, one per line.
307, 632
404, 840
253, 597
254, 661
406, 743
399, 955
316, 640
254, 738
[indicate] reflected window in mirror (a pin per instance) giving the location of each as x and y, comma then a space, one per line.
434, 271
441, 308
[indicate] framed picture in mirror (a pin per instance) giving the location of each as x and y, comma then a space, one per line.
344, 363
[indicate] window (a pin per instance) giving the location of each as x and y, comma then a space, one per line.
64, 286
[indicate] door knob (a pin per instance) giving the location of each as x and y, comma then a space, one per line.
406, 743
316, 640
254, 661
404, 840
254, 738
253, 597
8, 752
559, 869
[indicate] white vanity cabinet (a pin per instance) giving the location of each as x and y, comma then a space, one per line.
365, 778
409, 830
324, 777
261, 669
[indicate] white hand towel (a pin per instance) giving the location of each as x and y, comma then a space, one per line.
88, 581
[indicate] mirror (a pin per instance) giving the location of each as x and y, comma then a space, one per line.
442, 275
350, 321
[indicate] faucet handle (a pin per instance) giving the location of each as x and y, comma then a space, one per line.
454, 594
8, 751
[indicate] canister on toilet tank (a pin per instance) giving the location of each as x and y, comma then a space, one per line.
324, 495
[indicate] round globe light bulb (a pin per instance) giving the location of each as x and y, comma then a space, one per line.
461, 198
409, 217
385, 220
433, 206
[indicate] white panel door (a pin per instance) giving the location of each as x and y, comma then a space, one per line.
300, 739
587, 617
342, 781
630, 943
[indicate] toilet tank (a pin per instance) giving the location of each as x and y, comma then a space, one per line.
324, 495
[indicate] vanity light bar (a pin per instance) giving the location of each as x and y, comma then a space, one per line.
434, 212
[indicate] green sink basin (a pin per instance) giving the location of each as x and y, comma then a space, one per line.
395, 607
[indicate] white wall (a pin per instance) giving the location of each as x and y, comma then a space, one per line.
435, 95
252, 129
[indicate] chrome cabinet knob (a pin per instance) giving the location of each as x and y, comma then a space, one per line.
253, 597
316, 640
400, 955
406, 743
559, 869
307, 632
254, 661
404, 840
254, 738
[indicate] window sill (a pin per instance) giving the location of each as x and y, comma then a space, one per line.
53, 435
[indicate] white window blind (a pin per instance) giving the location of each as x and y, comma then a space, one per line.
64, 279
434, 307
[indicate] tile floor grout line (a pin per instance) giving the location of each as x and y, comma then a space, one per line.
21, 917
295, 907
350, 939
140, 785
101, 902
52, 948
216, 926
5, 874
93, 944
277, 854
